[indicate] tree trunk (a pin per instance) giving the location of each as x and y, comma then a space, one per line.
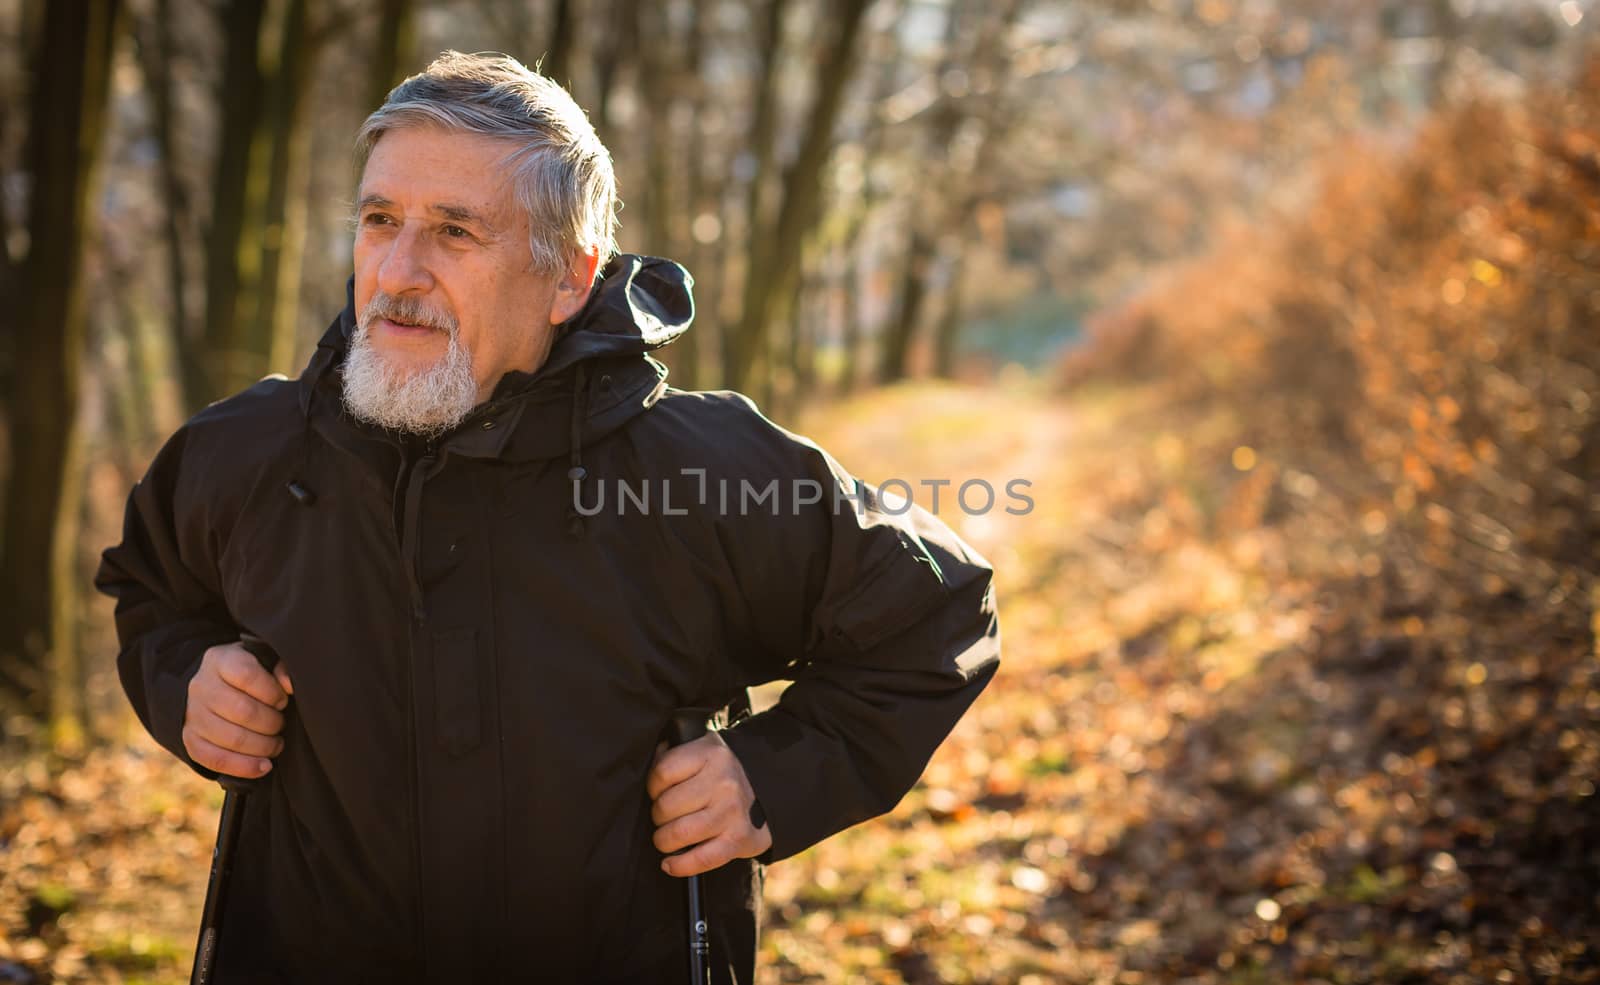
68, 114
949, 182
950, 320
927, 212
849, 243
704, 260
395, 49
656, 96
258, 225
559, 57
766, 283
615, 47
157, 56
892, 365
270, 345
844, 281
803, 345
68, 686
517, 25
230, 303
9, 266
659, 95
758, 226
135, 349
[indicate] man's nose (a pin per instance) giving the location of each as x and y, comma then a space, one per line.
405, 266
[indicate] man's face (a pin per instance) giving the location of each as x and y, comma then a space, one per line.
440, 240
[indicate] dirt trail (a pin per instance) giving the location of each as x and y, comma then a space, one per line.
1205, 758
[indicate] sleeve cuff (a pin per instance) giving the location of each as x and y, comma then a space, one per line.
759, 743
170, 702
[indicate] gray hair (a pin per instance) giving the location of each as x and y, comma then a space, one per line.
560, 170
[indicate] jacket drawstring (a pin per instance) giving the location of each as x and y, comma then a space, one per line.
576, 473
297, 488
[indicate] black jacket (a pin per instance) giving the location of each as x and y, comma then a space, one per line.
482, 669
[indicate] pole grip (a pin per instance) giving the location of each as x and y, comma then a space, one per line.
267, 657
687, 725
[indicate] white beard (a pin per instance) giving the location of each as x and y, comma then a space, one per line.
425, 402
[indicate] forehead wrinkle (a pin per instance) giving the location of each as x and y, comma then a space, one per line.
496, 216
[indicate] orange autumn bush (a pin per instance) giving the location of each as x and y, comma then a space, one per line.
1424, 340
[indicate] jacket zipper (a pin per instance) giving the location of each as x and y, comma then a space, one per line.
408, 484
412, 475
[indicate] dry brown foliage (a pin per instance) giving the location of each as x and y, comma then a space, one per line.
1421, 340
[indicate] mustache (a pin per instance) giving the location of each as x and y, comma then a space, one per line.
407, 311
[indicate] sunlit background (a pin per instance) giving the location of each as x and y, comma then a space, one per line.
1287, 314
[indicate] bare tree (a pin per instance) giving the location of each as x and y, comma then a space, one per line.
158, 54
259, 209
394, 49
769, 276
560, 56
660, 93
619, 45
270, 344
841, 251
737, 358
38, 576
228, 302
951, 180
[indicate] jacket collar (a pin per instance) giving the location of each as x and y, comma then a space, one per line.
638, 304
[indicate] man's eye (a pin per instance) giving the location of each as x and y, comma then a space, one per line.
375, 219
456, 232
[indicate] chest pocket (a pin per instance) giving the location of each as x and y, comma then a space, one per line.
900, 583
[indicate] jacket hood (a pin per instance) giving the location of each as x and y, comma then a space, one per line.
638, 304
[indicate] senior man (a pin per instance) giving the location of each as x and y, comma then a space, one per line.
495, 551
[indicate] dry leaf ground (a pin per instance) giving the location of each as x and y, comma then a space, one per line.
1210, 756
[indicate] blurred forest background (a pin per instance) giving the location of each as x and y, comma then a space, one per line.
1288, 310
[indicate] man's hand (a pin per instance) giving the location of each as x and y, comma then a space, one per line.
701, 797
235, 712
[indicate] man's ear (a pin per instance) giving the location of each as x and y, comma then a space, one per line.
572, 287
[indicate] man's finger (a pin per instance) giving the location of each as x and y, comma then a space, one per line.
676, 765
282, 674
680, 799
240, 670
688, 830
213, 757
243, 710
702, 858
234, 738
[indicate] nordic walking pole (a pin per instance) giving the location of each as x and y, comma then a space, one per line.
689, 724
238, 789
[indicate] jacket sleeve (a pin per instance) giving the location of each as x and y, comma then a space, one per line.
169, 605
881, 616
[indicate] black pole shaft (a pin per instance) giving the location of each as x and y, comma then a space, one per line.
205, 950
689, 724
699, 935
228, 827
